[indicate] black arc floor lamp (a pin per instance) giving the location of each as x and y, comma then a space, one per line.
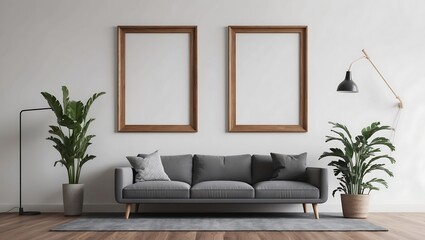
348, 85
21, 209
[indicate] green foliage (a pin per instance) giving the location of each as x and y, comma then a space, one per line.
358, 158
70, 135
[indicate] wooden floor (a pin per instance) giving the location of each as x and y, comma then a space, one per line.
401, 226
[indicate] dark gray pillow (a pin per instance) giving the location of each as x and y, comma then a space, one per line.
148, 168
289, 167
215, 168
262, 168
177, 167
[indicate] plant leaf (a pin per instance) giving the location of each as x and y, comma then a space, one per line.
75, 111
65, 97
54, 104
86, 159
90, 102
60, 161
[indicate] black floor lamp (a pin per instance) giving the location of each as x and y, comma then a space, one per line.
21, 209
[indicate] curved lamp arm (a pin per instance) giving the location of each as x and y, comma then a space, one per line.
358, 59
366, 56
400, 104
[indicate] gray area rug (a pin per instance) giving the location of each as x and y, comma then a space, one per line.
220, 222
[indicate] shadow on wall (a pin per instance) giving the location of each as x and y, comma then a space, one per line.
9, 140
115, 82
226, 72
99, 183
36, 152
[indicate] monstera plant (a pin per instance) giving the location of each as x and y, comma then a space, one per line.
358, 158
71, 140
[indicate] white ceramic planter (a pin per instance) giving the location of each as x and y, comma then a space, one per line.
73, 197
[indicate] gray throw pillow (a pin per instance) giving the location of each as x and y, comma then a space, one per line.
216, 168
289, 167
148, 168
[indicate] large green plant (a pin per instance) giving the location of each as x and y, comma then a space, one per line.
359, 157
70, 135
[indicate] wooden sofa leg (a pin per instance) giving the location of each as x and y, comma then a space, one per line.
305, 207
137, 208
316, 212
127, 210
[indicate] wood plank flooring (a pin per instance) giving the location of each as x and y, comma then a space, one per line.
401, 226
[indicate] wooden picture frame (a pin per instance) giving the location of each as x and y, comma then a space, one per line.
298, 67
189, 65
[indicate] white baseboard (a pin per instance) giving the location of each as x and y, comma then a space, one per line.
115, 207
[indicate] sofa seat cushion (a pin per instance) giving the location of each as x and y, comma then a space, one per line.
286, 190
157, 190
222, 189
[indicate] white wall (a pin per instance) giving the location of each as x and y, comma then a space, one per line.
45, 44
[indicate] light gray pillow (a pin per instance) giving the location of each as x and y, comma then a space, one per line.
289, 167
148, 168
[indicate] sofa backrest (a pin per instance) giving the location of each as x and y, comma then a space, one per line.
262, 168
231, 168
177, 167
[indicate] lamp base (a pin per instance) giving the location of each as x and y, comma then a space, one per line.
28, 213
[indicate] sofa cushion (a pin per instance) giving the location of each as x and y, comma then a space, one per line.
148, 168
289, 167
177, 167
222, 189
157, 189
262, 168
215, 168
286, 190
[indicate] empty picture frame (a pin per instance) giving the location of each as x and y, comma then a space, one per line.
157, 79
267, 79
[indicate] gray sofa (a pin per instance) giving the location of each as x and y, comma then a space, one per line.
217, 179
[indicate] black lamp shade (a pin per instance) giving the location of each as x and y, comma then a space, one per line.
348, 85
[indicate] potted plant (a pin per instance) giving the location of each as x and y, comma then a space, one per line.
359, 157
71, 141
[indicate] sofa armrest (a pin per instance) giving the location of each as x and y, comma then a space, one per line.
123, 178
318, 177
